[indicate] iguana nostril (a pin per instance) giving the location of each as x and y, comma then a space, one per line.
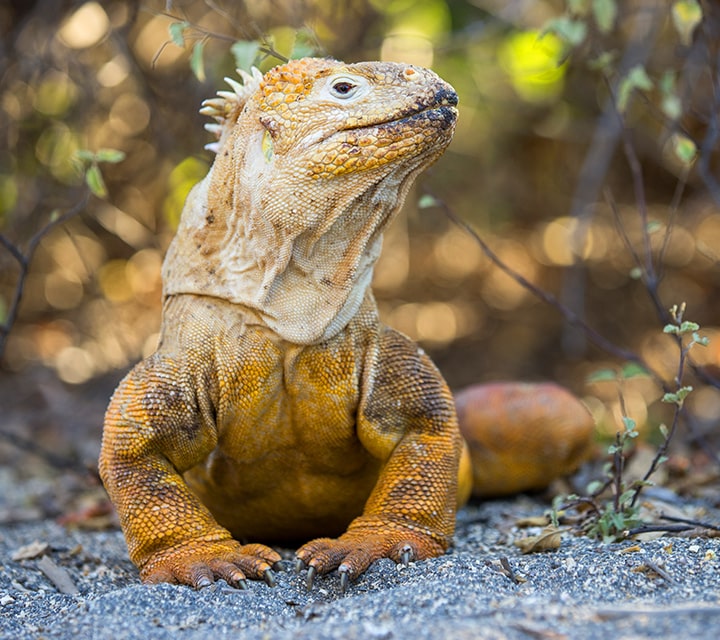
446, 97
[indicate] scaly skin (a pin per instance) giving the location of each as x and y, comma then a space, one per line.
277, 406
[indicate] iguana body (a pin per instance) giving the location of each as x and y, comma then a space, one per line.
277, 406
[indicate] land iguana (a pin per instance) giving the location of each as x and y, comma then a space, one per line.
277, 406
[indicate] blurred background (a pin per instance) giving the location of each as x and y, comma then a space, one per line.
586, 158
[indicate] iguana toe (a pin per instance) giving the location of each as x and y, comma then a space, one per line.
199, 563
353, 552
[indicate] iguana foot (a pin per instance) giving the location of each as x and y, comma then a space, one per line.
353, 552
199, 563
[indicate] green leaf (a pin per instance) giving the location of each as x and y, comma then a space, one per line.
684, 392
54, 215
633, 370
670, 102
605, 12
684, 148
602, 375
95, 181
664, 431
671, 328
112, 156
703, 341
425, 201
686, 16
85, 155
678, 397
636, 273
177, 32
625, 497
196, 60
594, 486
305, 45
571, 31
629, 425
636, 78
245, 53
653, 226
603, 61
667, 82
671, 106
688, 327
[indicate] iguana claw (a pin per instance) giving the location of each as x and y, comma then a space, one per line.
269, 577
406, 555
344, 579
310, 577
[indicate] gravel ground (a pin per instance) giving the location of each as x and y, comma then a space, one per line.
662, 588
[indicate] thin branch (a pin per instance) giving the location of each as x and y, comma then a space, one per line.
639, 189
650, 528
568, 314
24, 260
662, 450
674, 208
199, 32
597, 160
618, 469
621, 229
711, 138
694, 523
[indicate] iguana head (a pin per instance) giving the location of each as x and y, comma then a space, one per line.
313, 159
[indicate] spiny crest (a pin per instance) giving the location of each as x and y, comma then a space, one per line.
226, 106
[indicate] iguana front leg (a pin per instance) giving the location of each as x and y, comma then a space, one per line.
157, 427
407, 418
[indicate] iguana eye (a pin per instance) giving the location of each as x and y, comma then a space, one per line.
343, 88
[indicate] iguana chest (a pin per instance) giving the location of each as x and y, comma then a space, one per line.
288, 463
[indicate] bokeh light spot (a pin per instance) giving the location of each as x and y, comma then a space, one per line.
86, 27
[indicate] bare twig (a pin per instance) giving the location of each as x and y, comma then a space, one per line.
25, 258
653, 566
711, 138
618, 470
653, 528
568, 314
201, 33
646, 26
690, 521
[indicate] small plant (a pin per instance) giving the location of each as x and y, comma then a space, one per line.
618, 517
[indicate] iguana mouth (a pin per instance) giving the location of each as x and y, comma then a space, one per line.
442, 107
